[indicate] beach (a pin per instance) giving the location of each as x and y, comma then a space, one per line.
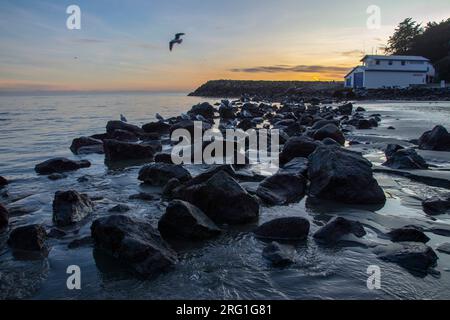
230, 265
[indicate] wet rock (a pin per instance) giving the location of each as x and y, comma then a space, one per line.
408, 234
158, 127
337, 229
279, 254
391, 149
344, 176
189, 126
222, 199
112, 126
296, 166
405, 159
360, 109
83, 144
122, 151
204, 109
346, 109
330, 131
437, 139
171, 185
184, 220
4, 217
363, 124
444, 248
227, 112
120, 208
70, 207
83, 242
330, 142
436, 205
287, 229
165, 157
60, 165
158, 174
57, 176
3, 182
56, 233
133, 242
282, 189
29, 238
142, 196
301, 146
414, 256
123, 135
391, 128
245, 125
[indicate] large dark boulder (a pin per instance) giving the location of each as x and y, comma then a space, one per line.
286, 229
4, 217
123, 135
346, 109
408, 233
414, 256
437, 139
158, 127
329, 131
184, 220
337, 228
405, 159
436, 205
112, 126
391, 149
227, 112
205, 109
279, 255
343, 176
282, 189
122, 151
70, 207
85, 145
158, 174
297, 166
222, 199
29, 238
165, 157
60, 165
189, 125
134, 243
300, 146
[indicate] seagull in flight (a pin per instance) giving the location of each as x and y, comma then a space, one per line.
177, 40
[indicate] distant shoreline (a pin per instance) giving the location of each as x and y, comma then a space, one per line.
304, 91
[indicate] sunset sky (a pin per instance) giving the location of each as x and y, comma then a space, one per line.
123, 45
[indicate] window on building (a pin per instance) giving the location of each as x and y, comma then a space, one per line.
390, 63
377, 62
403, 63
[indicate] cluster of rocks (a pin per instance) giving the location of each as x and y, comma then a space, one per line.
299, 91
313, 162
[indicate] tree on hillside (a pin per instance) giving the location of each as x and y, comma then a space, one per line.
401, 41
431, 41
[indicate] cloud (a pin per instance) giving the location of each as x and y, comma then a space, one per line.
352, 53
296, 69
88, 40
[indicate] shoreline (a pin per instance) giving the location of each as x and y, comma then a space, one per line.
311, 91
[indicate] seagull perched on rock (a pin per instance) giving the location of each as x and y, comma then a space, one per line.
177, 40
159, 117
122, 118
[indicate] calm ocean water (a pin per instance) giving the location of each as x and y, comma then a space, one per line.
35, 128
